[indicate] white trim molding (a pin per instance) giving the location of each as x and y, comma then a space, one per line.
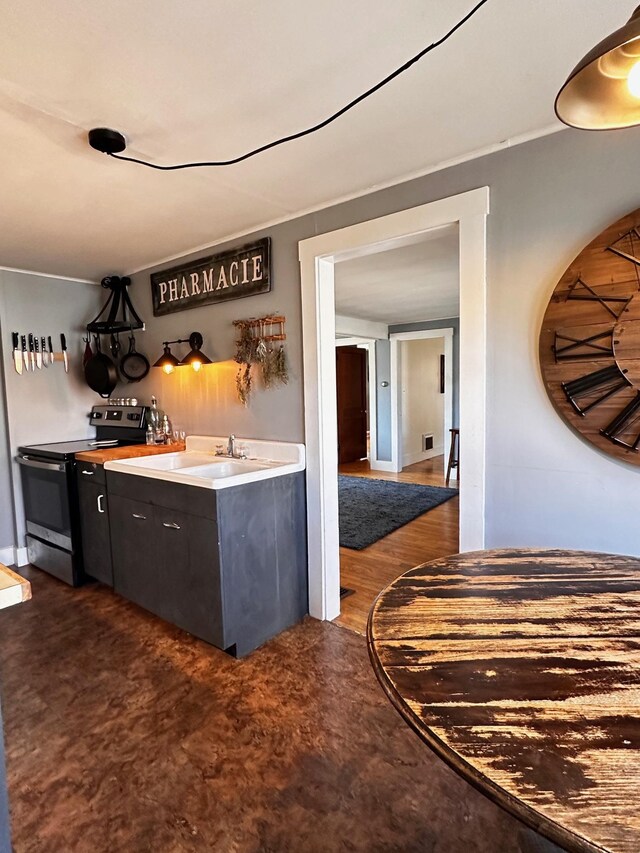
354, 327
317, 256
397, 455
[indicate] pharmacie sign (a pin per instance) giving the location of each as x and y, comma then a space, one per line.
240, 272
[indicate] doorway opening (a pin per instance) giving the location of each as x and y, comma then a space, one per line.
318, 255
394, 511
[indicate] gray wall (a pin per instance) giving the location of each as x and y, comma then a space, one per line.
206, 402
549, 197
48, 405
7, 535
450, 323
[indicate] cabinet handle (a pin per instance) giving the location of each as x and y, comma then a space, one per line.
88, 473
171, 524
99, 502
137, 515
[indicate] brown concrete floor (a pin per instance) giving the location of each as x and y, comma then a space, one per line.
126, 734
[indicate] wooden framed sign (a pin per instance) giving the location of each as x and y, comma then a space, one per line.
233, 274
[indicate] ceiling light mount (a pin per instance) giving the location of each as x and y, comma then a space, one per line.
106, 140
603, 90
112, 142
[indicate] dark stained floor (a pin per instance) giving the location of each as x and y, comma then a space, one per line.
126, 734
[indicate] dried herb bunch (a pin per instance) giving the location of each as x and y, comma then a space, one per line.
254, 346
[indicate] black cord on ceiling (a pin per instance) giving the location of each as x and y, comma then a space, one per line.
321, 124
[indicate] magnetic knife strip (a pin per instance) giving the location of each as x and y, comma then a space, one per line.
32, 352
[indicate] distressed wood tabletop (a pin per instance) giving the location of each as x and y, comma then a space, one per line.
521, 669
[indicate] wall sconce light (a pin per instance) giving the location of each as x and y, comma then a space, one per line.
603, 90
167, 361
195, 357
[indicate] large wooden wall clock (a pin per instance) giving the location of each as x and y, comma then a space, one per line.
590, 341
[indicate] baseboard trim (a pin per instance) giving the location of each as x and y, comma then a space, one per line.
421, 456
21, 557
378, 465
7, 555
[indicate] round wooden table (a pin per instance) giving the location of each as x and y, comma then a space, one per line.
521, 669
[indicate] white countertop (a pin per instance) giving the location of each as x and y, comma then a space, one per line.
199, 465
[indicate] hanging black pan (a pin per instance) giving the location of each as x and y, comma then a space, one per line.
100, 372
134, 366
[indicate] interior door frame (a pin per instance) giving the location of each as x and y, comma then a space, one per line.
370, 345
317, 256
396, 339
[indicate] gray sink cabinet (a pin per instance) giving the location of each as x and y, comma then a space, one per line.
228, 566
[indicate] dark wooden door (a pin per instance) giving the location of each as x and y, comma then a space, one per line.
94, 523
351, 382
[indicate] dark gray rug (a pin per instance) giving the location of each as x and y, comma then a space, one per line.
370, 509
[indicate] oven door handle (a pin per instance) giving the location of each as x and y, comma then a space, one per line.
34, 463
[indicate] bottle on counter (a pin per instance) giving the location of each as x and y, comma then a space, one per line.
167, 429
150, 436
155, 417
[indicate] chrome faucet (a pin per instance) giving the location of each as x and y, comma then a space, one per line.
232, 453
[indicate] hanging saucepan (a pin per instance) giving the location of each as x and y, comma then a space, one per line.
134, 366
100, 372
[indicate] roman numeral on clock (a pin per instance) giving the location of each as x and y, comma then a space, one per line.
623, 423
583, 293
614, 247
587, 392
567, 348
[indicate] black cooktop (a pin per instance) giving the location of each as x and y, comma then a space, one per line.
66, 450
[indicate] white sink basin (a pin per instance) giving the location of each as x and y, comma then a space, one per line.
172, 461
199, 466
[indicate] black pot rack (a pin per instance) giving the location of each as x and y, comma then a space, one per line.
122, 316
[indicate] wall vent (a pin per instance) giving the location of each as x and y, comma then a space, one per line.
427, 441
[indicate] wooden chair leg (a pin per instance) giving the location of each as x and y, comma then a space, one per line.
454, 460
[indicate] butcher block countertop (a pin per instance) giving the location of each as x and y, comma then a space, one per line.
14, 589
108, 454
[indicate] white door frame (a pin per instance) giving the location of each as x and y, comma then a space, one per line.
396, 386
317, 256
370, 345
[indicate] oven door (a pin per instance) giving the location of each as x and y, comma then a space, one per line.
46, 494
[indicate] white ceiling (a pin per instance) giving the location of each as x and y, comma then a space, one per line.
406, 285
202, 80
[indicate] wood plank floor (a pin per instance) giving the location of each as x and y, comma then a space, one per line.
432, 535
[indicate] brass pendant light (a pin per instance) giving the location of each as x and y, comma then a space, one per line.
603, 90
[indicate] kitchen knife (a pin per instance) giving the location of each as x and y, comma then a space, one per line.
45, 354
17, 355
25, 354
51, 356
36, 346
32, 352
63, 345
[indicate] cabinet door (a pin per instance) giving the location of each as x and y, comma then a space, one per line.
94, 524
135, 553
190, 573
